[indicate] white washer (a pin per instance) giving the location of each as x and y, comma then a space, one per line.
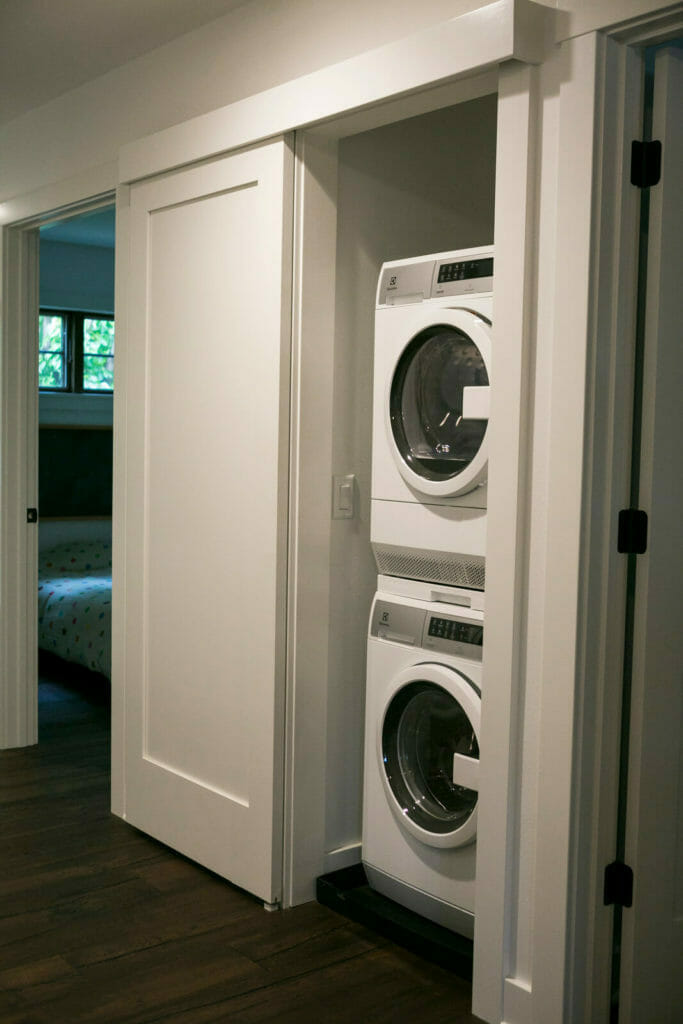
430, 416
420, 783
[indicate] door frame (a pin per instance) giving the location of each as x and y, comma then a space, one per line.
19, 461
310, 576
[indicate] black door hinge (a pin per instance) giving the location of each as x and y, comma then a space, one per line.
31, 515
618, 889
646, 163
632, 535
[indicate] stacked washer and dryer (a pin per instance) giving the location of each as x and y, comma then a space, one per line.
428, 533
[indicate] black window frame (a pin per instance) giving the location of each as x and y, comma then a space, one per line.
74, 350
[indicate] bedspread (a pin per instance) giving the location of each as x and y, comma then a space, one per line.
74, 604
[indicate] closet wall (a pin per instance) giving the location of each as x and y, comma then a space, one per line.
406, 189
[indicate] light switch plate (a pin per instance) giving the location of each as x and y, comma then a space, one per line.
344, 496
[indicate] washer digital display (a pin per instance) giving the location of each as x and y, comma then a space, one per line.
462, 632
465, 270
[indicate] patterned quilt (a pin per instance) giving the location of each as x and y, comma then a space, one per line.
74, 603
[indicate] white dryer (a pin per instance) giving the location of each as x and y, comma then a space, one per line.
430, 416
422, 749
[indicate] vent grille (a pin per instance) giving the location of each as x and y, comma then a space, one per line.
431, 566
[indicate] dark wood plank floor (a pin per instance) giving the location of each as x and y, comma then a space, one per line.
99, 923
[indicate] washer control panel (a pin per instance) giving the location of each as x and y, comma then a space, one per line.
460, 277
399, 623
418, 627
453, 635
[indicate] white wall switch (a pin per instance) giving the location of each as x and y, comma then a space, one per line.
344, 496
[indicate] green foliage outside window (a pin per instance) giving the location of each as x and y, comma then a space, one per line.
76, 352
52, 352
98, 355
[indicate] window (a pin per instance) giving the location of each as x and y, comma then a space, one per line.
76, 351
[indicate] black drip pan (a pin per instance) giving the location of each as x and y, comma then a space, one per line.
347, 891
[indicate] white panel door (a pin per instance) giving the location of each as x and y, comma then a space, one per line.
202, 492
652, 938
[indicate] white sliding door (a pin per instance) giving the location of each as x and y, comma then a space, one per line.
652, 939
201, 500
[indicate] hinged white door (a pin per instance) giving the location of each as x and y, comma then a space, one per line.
203, 339
652, 937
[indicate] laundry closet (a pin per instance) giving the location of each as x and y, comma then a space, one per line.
421, 185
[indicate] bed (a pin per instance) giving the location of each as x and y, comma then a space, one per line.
74, 603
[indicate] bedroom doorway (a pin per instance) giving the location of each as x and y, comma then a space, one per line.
76, 343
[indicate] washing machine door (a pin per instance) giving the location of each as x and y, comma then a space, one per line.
437, 405
428, 747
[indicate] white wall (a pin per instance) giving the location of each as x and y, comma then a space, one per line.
75, 410
255, 47
58, 531
76, 277
415, 187
259, 45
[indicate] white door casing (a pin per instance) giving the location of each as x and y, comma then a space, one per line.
201, 484
19, 299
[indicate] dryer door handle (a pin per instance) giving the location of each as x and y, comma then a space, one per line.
476, 400
466, 771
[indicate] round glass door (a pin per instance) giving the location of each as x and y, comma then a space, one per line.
424, 727
431, 435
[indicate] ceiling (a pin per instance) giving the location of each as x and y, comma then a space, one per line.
95, 228
48, 47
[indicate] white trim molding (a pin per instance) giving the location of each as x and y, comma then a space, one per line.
507, 541
315, 232
558, 643
87, 190
470, 43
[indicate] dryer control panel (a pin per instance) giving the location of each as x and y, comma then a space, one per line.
459, 277
418, 627
461, 272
